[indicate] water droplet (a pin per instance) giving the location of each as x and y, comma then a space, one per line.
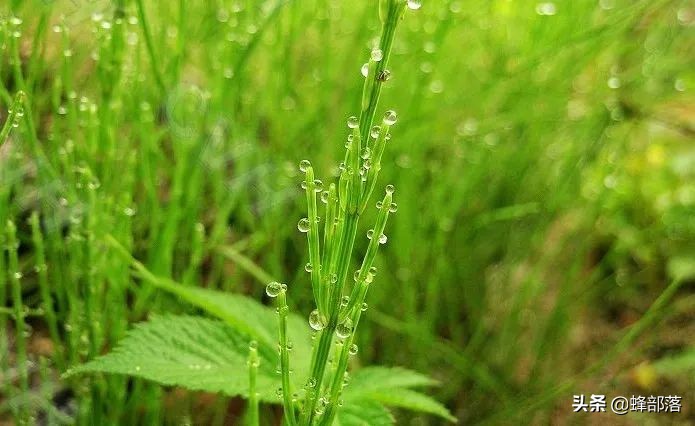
303, 184
316, 320
289, 346
273, 289
353, 349
344, 329
393, 208
303, 225
372, 270
614, 82
344, 301
382, 239
366, 164
390, 117
414, 4
324, 197
334, 278
366, 153
304, 166
370, 234
318, 185
364, 306
278, 392
311, 383
356, 276
308, 267
253, 344
352, 122
384, 76
375, 132
321, 406
364, 70
379, 204
390, 189
18, 275
546, 9
377, 55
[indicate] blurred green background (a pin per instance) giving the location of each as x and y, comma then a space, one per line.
544, 168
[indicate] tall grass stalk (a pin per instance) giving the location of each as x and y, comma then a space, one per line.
337, 314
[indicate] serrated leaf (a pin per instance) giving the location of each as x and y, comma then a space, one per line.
411, 400
390, 386
376, 378
243, 313
363, 413
193, 352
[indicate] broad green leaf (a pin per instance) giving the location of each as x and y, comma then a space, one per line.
390, 386
378, 378
192, 352
412, 400
363, 413
252, 318
243, 313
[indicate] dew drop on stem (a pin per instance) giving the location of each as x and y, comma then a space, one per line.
344, 329
318, 185
316, 320
303, 225
414, 4
390, 117
365, 70
377, 55
273, 289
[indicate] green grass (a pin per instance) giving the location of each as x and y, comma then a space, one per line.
543, 163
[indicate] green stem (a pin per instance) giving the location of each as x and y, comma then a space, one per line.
20, 325
15, 114
47, 301
254, 361
313, 238
285, 359
150, 47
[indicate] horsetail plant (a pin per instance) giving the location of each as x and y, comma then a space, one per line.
199, 354
337, 315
